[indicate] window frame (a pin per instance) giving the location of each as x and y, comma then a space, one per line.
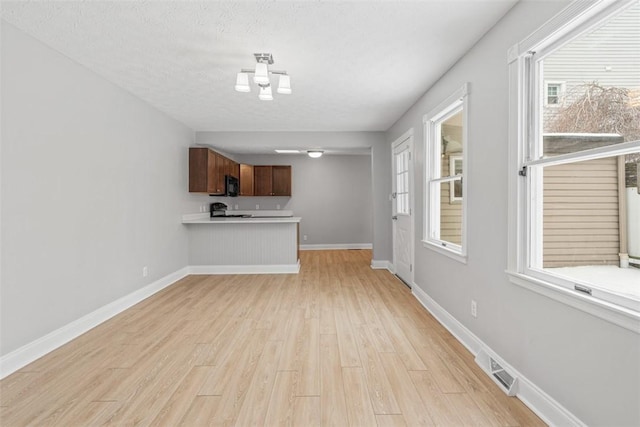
524, 130
453, 159
560, 85
456, 102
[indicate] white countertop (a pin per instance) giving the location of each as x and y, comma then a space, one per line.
204, 218
223, 220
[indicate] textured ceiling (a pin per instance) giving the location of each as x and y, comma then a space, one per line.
354, 66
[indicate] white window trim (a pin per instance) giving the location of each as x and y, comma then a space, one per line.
564, 26
432, 165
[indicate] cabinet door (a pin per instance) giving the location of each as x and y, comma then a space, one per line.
231, 168
198, 170
281, 181
235, 169
219, 174
246, 180
211, 172
263, 180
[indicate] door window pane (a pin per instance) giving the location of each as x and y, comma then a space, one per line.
402, 182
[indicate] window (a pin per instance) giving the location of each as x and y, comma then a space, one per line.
455, 187
554, 91
445, 142
574, 220
402, 183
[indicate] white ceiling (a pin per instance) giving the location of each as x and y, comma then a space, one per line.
354, 66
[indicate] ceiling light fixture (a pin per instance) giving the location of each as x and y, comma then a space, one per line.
261, 78
285, 151
315, 153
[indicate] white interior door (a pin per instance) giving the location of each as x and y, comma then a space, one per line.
402, 209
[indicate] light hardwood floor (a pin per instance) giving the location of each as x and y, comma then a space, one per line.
338, 344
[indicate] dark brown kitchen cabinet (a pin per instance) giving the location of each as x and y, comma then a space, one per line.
246, 180
231, 168
272, 180
262, 180
207, 170
281, 180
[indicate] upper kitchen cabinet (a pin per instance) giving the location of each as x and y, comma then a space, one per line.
281, 180
207, 170
272, 180
231, 168
246, 180
262, 180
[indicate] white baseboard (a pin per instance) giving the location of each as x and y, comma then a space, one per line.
548, 409
336, 246
245, 269
382, 264
26, 354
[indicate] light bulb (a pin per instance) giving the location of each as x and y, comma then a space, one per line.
265, 93
242, 82
261, 75
284, 84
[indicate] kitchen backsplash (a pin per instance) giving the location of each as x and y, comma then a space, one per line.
250, 203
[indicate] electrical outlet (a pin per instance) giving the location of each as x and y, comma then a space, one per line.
474, 308
304, 237
236, 207
145, 271
278, 207
257, 206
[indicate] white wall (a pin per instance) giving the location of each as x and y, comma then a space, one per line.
586, 364
94, 182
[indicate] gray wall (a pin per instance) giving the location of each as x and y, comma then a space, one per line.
332, 194
382, 231
94, 182
588, 365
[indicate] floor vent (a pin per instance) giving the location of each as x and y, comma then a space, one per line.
506, 381
501, 375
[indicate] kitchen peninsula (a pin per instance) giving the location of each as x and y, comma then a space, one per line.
234, 245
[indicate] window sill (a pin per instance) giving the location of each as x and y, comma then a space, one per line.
615, 314
445, 251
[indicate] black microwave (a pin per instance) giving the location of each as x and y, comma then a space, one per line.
232, 186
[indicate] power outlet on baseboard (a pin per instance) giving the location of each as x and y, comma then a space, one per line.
304, 237
474, 308
145, 271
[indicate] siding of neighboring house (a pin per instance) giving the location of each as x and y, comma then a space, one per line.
608, 55
581, 218
450, 212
